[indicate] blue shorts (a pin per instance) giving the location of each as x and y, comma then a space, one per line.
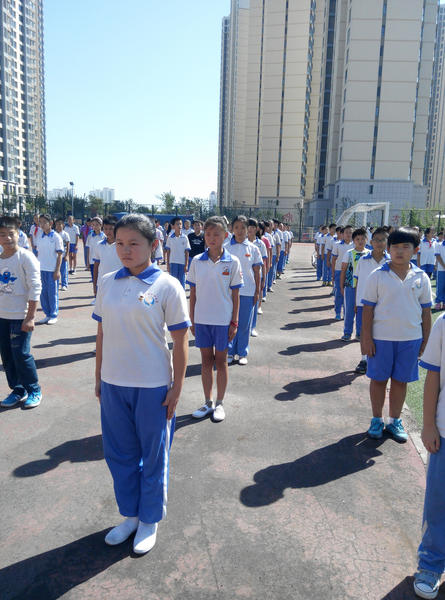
73, 248
398, 360
209, 336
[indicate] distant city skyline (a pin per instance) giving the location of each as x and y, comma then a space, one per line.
137, 108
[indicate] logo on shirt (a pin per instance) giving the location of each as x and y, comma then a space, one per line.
247, 255
148, 299
6, 279
226, 271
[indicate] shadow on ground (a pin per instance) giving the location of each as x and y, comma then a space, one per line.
68, 341
300, 298
74, 451
349, 455
56, 361
314, 347
52, 574
404, 591
316, 386
308, 324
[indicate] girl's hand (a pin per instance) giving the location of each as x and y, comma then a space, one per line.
232, 332
171, 402
431, 438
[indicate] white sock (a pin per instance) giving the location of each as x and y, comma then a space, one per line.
390, 420
122, 531
364, 357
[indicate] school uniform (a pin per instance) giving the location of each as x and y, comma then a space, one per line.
48, 247
431, 552
275, 254
339, 249
249, 257
266, 239
93, 240
105, 255
351, 258
74, 234
178, 245
319, 240
365, 266
197, 245
427, 253
159, 252
269, 281
34, 233
280, 259
19, 283
136, 374
397, 324
328, 245
263, 252
23, 240
214, 305
64, 264
440, 283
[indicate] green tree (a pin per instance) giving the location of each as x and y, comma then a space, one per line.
95, 206
168, 202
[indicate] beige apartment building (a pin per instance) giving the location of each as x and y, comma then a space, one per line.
326, 102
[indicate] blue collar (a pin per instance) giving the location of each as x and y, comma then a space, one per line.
386, 256
149, 275
386, 267
103, 242
174, 234
50, 234
233, 241
342, 242
225, 257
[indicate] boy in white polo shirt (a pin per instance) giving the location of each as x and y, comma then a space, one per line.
440, 281
178, 248
49, 252
66, 247
396, 326
105, 256
74, 232
339, 250
96, 236
214, 278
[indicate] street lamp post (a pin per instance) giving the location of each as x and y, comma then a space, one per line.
72, 197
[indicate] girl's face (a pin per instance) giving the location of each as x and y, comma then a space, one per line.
239, 230
133, 249
251, 231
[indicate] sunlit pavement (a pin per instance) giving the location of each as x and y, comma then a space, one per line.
287, 498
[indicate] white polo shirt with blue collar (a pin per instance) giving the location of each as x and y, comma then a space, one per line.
48, 245
440, 251
134, 311
339, 250
397, 304
261, 247
427, 251
433, 359
93, 240
365, 266
249, 257
106, 255
213, 282
177, 246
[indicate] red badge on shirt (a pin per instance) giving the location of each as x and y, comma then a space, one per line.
226, 271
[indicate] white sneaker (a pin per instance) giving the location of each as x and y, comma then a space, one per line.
93, 302
202, 412
218, 413
260, 310
229, 359
242, 360
52, 321
122, 532
145, 537
43, 321
254, 333
64, 288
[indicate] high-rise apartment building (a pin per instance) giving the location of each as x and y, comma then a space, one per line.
22, 99
106, 194
435, 159
326, 101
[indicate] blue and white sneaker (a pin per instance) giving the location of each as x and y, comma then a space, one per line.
375, 430
12, 400
426, 584
33, 400
397, 431
346, 338
338, 317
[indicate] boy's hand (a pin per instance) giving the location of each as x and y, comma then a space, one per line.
56, 275
431, 438
232, 332
367, 347
97, 390
27, 325
171, 401
422, 348
185, 268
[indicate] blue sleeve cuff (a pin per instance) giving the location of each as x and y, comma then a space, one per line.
96, 259
437, 254
236, 287
427, 305
96, 317
368, 303
257, 264
60, 251
191, 283
426, 365
166, 248
182, 325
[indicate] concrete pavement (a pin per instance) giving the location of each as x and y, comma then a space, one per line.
287, 498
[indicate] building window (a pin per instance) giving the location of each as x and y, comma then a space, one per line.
371, 189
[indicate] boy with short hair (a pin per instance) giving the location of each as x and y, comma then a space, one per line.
74, 233
66, 246
396, 326
426, 254
338, 251
214, 278
178, 248
431, 553
105, 256
327, 251
49, 252
196, 240
348, 283
365, 266
20, 288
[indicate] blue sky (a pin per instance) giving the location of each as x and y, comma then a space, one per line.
132, 95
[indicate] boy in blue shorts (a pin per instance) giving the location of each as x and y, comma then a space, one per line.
396, 325
214, 278
49, 252
348, 283
431, 554
178, 248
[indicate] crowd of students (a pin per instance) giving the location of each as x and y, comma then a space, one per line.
380, 279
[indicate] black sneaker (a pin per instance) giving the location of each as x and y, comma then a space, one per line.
361, 367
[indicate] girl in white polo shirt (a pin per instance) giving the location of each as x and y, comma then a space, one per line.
137, 382
251, 263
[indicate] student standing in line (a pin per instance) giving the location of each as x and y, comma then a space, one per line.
138, 380
251, 262
426, 258
327, 251
214, 278
34, 233
348, 283
396, 325
266, 239
20, 288
49, 252
84, 231
95, 237
253, 235
105, 255
338, 251
73, 231
178, 248
440, 282
196, 240
66, 246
